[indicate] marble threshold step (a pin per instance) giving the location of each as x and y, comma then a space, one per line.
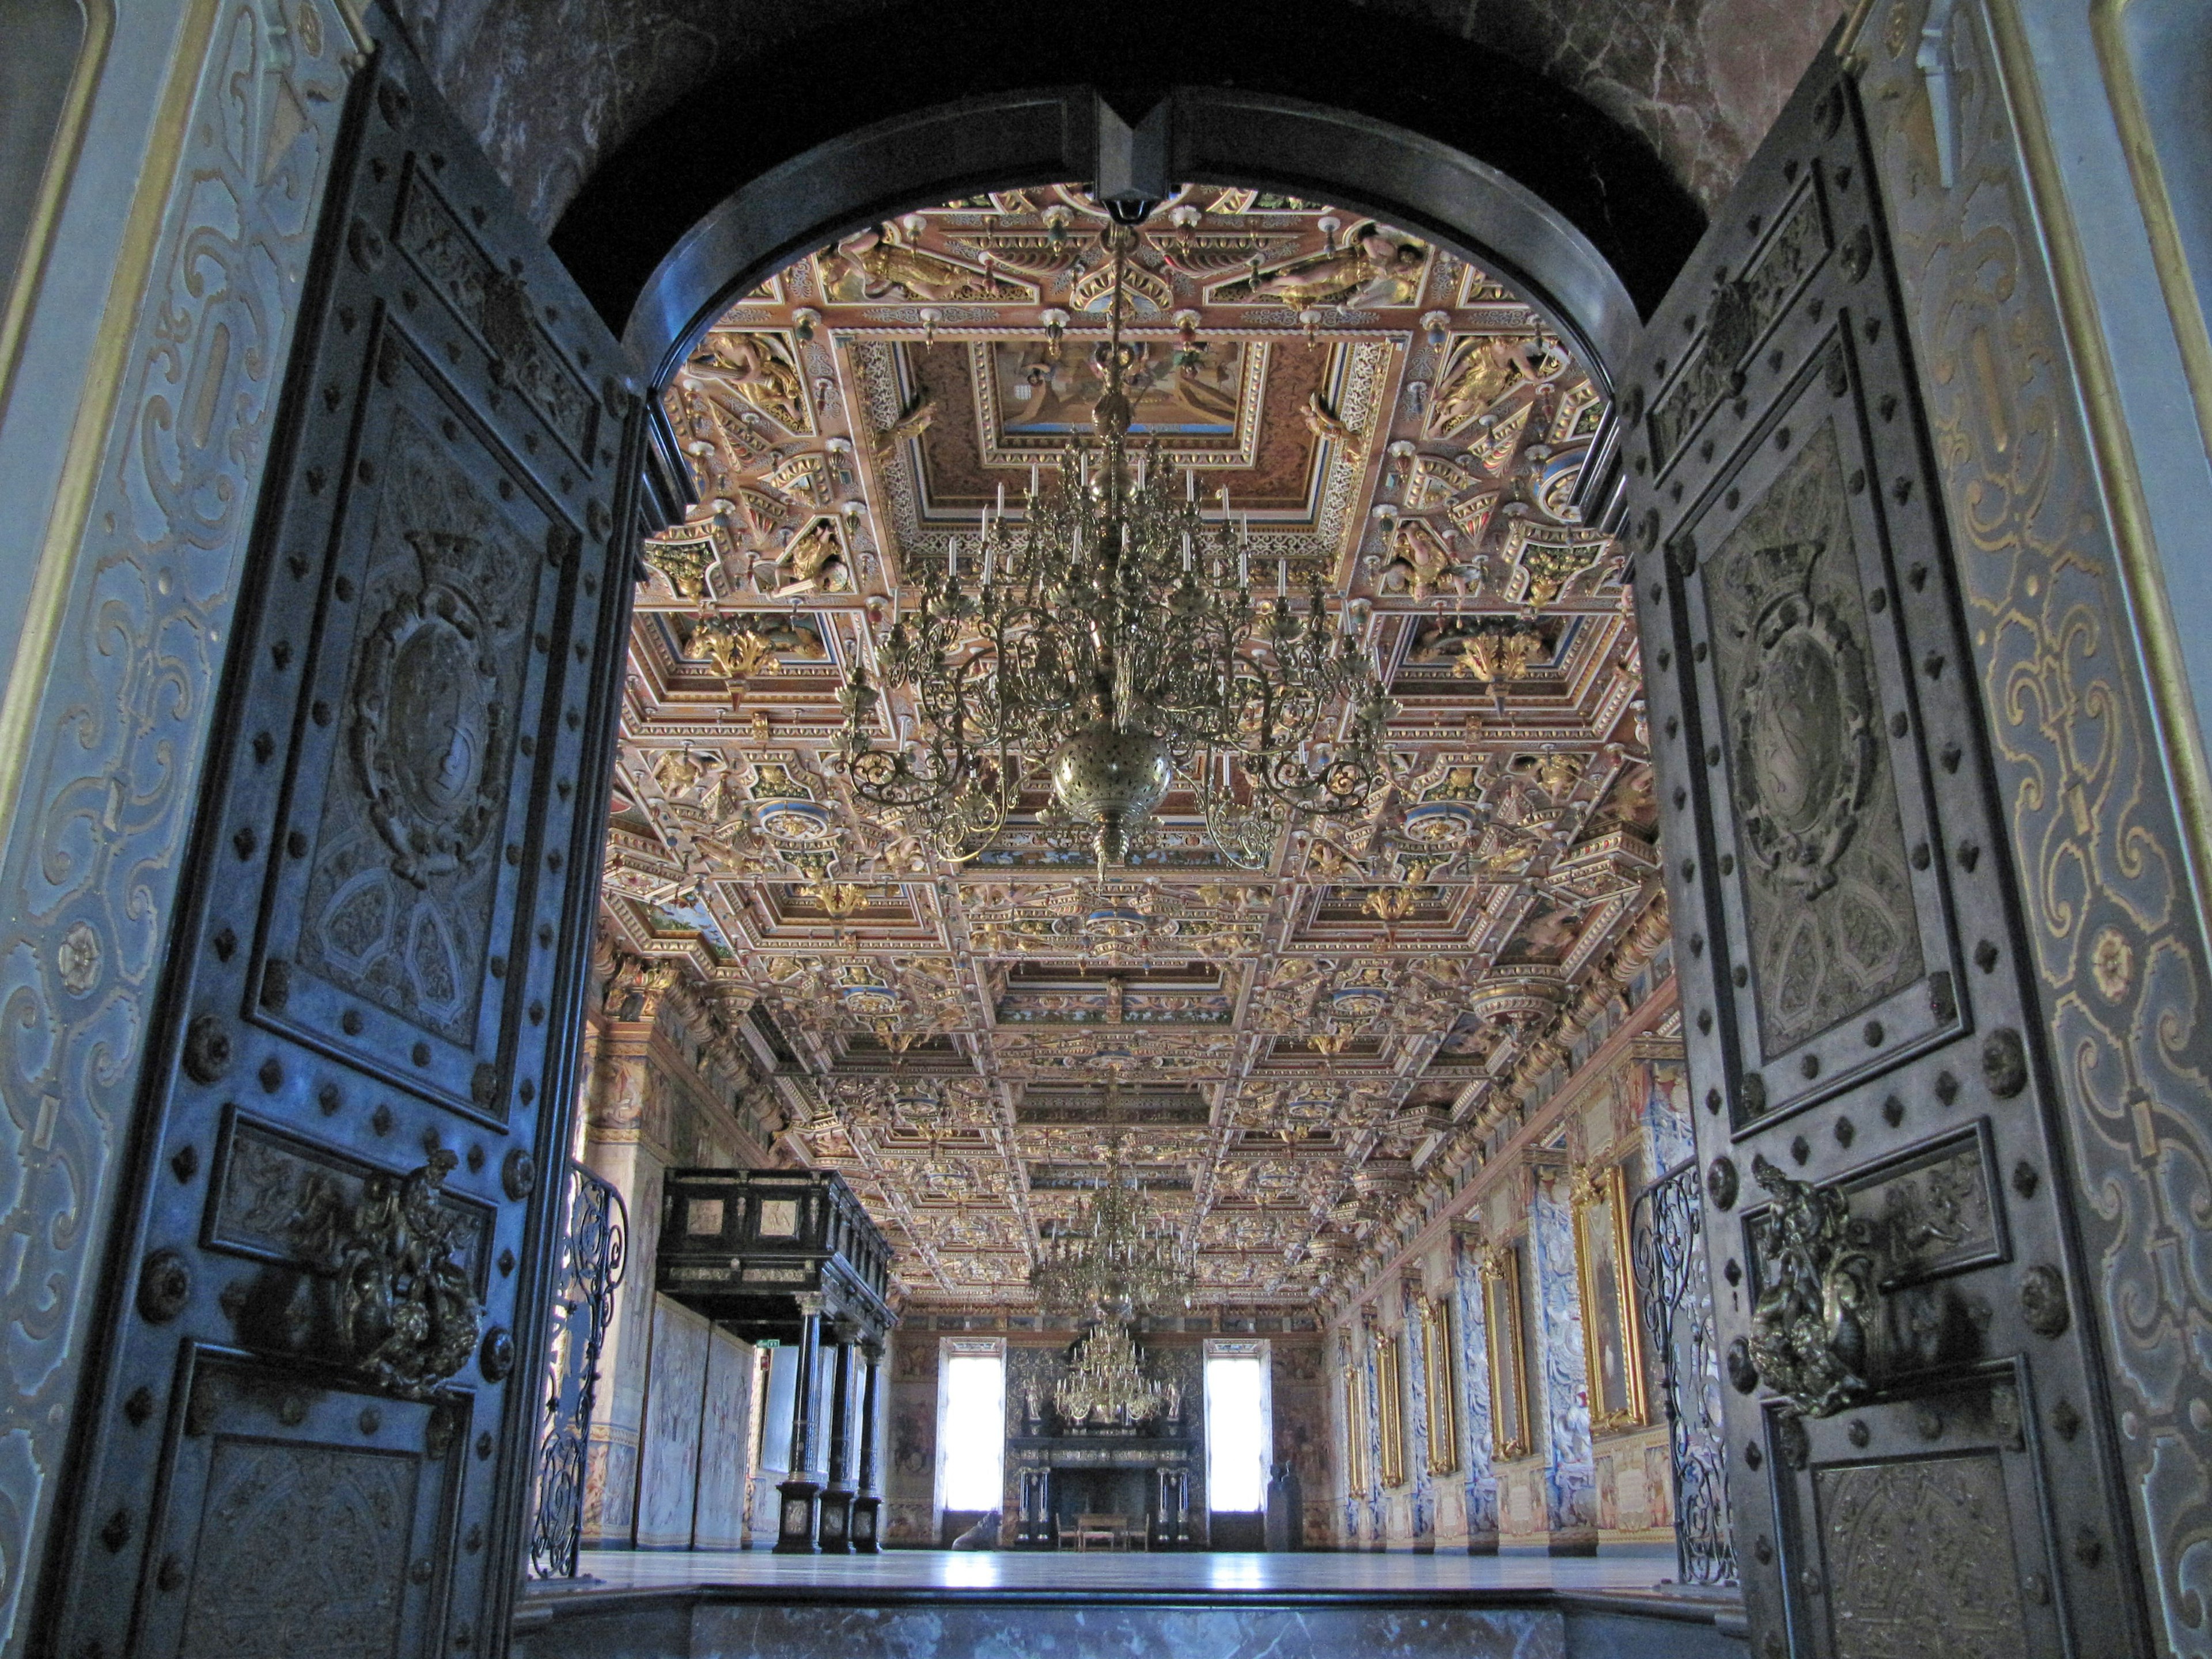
932, 1605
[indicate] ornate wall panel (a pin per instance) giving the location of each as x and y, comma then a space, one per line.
670, 1450
2120, 955
95, 844
1832, 924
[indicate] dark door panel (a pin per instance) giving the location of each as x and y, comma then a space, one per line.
1921, 1458
313, 1429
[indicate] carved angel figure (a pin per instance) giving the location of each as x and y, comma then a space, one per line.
1479, 373
885, 265
1421, 563
1324, 422
814, 560
911, 422
1371, 270
753, 369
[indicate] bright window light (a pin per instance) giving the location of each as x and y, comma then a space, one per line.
974, 1430
1235, 1433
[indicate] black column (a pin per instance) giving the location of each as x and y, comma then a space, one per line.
795, 1529
867, 1503
835, 1532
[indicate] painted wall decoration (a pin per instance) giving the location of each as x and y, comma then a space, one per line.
1561, 1385
668, 1471
725, 1445
1479, 1494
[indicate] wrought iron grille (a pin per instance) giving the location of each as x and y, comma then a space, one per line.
593, 1234
1677, 1301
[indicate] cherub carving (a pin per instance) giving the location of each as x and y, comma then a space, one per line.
814, 561
1371, 270
1479, 373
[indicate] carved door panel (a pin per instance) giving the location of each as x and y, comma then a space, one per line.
1920, 1456
313, 1430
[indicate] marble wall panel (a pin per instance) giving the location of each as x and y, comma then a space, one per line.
668, 1452
1561, 1381
725, 1445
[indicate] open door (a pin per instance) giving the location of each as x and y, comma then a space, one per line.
320, 1367
1921, 1450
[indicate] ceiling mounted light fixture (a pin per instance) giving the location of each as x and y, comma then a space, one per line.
1106, 644
1116, 1260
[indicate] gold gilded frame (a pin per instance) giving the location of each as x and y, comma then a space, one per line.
1389, 1406
1356, 1473
1501, 1330
1600, 1198
1443, 1397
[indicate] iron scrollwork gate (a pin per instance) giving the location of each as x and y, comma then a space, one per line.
1678, 1316
592, 1241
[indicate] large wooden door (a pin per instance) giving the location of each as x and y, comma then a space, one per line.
1922, 1459
320, 1371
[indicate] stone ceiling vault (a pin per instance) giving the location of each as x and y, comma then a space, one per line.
553, 87
1289, 1051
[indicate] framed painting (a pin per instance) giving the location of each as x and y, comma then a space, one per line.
1613, 1344
1389, 1405
1501, 1323
1357, 1477
1442, 1392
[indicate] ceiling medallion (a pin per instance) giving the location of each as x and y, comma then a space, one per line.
1108, 644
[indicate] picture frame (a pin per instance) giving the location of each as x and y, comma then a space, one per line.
1509, 1386
1389, 1405
1613, 1343
1441, 1391
1357, 1475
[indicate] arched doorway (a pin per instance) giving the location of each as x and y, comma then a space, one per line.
168, 1289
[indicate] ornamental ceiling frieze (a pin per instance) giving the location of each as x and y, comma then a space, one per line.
1282, 1054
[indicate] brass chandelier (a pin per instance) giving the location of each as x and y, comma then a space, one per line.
1106, 1384
1108, 643
1117, 1262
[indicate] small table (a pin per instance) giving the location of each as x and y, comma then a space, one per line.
1112, 1530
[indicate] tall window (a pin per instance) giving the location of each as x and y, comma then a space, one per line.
1238, 1429
973, 1443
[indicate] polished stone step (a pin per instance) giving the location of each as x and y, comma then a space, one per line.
938, 1605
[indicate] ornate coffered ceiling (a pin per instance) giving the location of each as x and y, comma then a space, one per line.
1291, 1052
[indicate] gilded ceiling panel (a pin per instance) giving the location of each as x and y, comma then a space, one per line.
1289, 1054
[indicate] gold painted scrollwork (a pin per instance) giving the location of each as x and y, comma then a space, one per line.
2044, 567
